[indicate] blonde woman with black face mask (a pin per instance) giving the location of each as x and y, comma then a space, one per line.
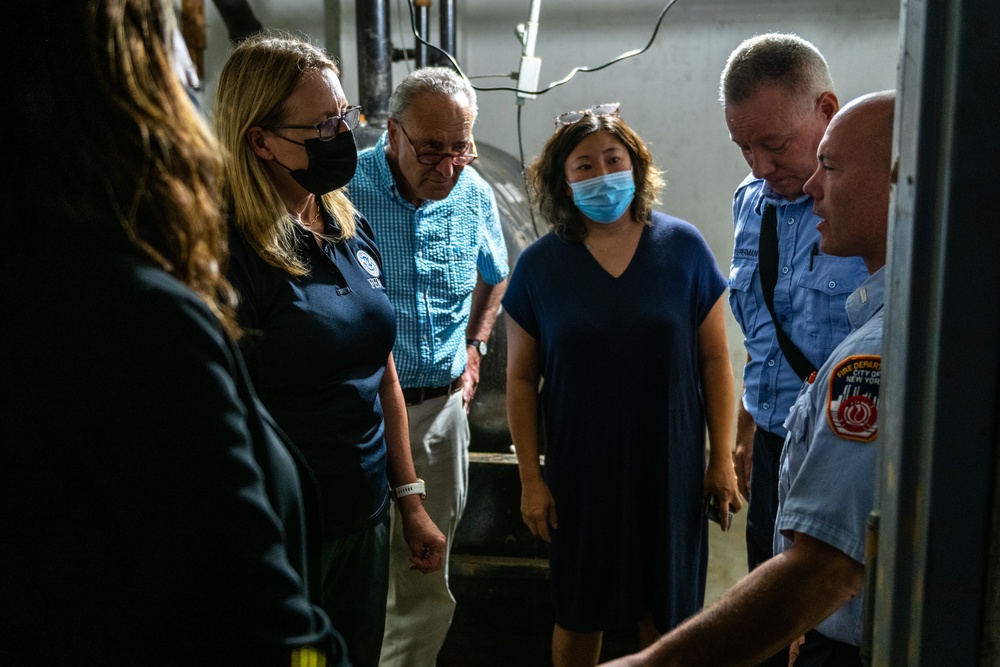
320, 328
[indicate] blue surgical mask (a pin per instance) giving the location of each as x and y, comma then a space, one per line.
604, 198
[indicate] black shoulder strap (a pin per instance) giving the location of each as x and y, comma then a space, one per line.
767, 264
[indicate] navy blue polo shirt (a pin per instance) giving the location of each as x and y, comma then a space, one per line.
317, 347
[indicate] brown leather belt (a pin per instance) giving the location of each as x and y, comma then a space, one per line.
417, 395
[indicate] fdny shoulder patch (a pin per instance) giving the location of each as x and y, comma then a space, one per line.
852, 404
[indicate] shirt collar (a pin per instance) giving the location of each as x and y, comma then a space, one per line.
386, 180
769, 196
867, 300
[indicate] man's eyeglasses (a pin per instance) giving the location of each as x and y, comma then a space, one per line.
433, 159
570, 117
329, 128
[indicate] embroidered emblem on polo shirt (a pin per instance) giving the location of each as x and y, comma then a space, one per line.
367, 263
852, 404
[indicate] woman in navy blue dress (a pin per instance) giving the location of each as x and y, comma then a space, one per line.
616, 333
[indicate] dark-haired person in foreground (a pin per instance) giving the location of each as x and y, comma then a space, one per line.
153, 513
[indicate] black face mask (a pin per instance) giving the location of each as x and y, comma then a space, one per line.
331, 163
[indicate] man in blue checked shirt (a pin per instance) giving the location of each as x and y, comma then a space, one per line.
437, 225
778, 98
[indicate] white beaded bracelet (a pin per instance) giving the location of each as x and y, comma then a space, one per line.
411, 489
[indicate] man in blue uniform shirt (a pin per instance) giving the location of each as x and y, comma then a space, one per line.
778, 98
436, 222
814, 583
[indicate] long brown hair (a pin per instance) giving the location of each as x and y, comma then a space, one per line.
107, 138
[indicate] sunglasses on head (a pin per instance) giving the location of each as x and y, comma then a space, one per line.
570, 117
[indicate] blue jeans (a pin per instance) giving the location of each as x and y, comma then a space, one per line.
355, 583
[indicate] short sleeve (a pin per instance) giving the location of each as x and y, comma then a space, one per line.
833, 490
710, 280
518, 299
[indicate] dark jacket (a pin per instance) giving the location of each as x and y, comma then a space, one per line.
152, 513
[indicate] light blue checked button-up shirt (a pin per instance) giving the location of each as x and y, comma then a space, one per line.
431, 255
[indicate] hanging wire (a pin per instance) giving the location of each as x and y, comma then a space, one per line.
509, 75
564, 80
513, 75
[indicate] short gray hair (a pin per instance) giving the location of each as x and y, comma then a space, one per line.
785, 60
438, 80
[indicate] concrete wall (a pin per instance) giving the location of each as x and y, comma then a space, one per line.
668, 94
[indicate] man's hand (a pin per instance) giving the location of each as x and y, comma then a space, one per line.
470, 378
762, 612
793, 650
426, 542
743, 455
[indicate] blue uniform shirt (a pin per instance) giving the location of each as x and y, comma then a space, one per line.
431, 253
808, 299
826, 487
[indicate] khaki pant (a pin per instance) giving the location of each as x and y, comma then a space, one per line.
420, 606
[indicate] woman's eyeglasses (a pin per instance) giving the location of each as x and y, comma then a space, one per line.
329, 128
570, 117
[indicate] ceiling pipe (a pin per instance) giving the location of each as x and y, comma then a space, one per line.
422, 57
374, 60
448, 30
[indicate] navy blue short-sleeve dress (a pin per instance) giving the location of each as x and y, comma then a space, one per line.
624, 422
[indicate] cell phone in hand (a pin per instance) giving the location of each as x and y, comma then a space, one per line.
712, 510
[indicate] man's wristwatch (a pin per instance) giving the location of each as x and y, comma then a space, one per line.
411, 489
480, 346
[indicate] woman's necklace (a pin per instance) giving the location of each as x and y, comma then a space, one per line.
312, 224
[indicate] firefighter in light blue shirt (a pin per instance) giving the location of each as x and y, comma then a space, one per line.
826, 487
809, 297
